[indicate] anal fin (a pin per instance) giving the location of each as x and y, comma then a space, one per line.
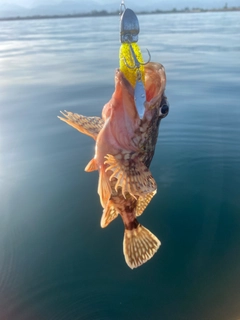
91, 166
132, 175
139, 245
109, 214
143, 202
87, 125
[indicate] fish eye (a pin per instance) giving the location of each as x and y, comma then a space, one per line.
164, 110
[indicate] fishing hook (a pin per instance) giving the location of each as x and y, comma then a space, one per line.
137, 64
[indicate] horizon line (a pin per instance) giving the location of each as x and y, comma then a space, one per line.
98, 13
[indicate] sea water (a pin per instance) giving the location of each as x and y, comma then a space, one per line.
55, 261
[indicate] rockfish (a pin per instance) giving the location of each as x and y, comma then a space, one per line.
124, 149
125, 145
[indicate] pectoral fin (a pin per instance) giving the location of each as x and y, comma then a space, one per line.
132, 175
87, 125
91, 166
109, 214
143, 202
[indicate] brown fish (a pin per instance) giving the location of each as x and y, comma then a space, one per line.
124, 149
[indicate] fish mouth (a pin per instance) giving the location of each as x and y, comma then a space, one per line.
155, 82
122, 107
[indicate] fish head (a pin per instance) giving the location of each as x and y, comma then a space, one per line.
155, 84
124, 102
122, 122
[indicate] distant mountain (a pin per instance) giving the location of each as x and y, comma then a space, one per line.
46, 7
64, 7
10, 10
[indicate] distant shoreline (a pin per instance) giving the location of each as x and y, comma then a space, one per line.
116, 13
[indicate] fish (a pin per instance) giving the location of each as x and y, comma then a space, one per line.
125, 145
125, 139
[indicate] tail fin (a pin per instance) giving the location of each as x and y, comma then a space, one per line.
139, 245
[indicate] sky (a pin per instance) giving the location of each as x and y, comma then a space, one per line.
11, 8
190, 3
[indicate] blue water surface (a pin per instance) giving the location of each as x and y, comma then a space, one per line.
56, 263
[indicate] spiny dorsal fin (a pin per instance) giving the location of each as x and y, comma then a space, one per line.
87, 125
143, 202
131, 174
139, 245
91, 166
109, 214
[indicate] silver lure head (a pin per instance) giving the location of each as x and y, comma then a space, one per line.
129, 27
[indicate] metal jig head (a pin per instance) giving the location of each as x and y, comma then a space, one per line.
129, 26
